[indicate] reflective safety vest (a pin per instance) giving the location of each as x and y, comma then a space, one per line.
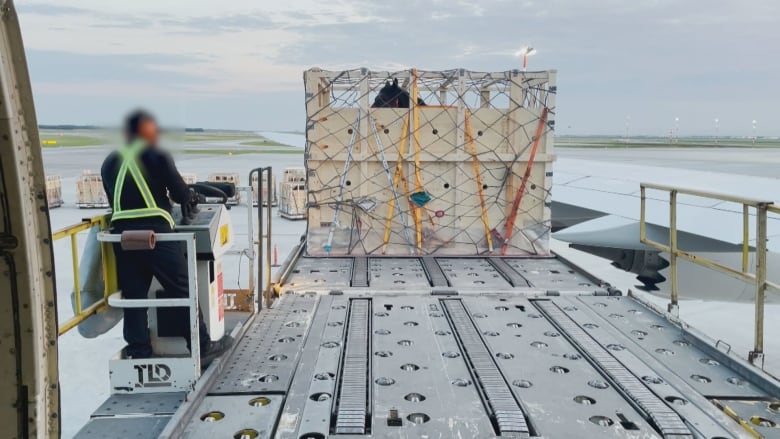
129, 164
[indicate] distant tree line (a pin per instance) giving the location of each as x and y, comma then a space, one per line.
68, 127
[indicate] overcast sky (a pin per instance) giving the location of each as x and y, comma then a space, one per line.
239, 64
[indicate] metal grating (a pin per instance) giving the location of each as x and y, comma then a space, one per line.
359, 272
509, 273
245, 416
550, 274
667, 420
505, 410
435, 275
265, 358
664, 341
140, 404
142, 427
472, 273
351, 411
397, 273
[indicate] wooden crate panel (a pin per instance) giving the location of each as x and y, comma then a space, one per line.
461, 164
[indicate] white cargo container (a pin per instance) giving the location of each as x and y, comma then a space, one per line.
230, 177
469, 173
294, 175
54, 191
90, 192
189, 178
274, 195
292, 200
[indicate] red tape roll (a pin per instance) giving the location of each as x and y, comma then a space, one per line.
138, 240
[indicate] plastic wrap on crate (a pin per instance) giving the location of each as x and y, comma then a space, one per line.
54, 191
466, 169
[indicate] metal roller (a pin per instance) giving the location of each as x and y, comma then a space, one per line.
668, 422
508, 417
352, 409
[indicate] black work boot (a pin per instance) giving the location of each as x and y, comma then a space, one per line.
136, 351
213, 350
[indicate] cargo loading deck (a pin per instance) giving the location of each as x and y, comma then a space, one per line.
458, 347
438, 311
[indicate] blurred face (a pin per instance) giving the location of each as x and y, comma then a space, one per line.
148, 131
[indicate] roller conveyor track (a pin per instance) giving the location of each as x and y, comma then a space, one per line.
509, 273
665, 419
435, 274
359, 272
403, 359
509, 419
352, 408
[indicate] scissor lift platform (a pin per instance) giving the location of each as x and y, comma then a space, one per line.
463, 347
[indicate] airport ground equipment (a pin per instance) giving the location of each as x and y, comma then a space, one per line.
174, 368
431, 333
90, 192
227, 177
213, 238
255, 190
264, 192
481, 347
54, 191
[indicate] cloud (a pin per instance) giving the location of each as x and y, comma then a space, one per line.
49, 9
68, 68
649, 58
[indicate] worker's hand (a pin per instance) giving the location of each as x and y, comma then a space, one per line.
186, 214
193, 203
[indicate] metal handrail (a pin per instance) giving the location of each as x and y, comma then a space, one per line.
757, 278
265, 298
109, 269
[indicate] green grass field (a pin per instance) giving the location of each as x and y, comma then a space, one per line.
217, 136
69, 140
662, 142
228, 151
263, 142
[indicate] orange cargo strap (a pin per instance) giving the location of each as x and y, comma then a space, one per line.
510, 220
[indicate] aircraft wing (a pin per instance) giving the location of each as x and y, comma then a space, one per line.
596, 208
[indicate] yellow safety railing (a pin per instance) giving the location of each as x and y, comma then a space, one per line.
757, 278
109, 270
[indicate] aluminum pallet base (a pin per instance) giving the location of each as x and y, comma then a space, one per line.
524, 354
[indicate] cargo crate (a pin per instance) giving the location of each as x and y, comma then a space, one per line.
231, 177
54, 191
292, 200
274, 195
294, 175
189, 178
467, 173
90, 192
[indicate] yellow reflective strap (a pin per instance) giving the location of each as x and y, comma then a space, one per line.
120, 183
140, 182
129, 156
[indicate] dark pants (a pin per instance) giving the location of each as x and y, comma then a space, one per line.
135, 269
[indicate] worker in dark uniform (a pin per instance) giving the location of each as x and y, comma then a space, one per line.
138, 178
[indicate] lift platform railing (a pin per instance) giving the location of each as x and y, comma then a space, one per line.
759, 209
265, 295
108, 266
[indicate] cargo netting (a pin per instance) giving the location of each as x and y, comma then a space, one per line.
429, 162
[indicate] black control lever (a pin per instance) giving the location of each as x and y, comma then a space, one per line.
209, 190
